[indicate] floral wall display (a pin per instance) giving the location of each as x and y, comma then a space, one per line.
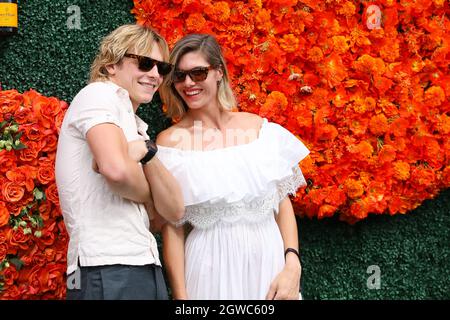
33, 239
364, 84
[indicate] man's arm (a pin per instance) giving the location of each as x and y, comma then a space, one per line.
110, 150
166, 194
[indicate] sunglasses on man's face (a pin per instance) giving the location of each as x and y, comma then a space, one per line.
196, 74
146, 64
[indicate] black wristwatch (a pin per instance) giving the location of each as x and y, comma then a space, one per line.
151, 151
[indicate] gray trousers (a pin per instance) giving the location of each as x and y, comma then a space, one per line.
120, 282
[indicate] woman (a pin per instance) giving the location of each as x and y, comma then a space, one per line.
236, 170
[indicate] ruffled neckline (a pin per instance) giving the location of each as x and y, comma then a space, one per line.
236, 173
262, 129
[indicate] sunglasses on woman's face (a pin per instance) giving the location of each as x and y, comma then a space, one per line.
196, 74
146, 64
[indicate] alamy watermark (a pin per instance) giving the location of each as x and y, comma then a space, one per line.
73, 281
74, 20
374, 280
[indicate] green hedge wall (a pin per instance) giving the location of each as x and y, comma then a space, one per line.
411, 251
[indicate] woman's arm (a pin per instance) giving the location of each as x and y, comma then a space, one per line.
286, 284
173, 253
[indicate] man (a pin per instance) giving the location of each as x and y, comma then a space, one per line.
110, 244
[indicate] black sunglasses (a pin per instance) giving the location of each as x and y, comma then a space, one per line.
196, 74
146, 64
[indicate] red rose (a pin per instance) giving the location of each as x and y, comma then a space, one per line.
12, 293
10, 274
3, 251
18, 239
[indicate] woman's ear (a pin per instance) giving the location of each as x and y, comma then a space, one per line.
111, 68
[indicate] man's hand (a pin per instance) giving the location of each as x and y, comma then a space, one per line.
286, 284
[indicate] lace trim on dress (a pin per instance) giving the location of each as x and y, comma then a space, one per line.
291, 184
205, 215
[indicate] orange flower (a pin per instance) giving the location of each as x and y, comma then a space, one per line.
12, 192
262, 20
369, 65
353, 188
289, 43
4, 215
195, 22
401, 170
315, 54
434, 96
340, 44
378, 124
45, 174
333, 69
364, 149
276, 101
326, 211
219, 11
387, 154
348, 9
326, 132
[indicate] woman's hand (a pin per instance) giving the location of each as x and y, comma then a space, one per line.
137, 149
286, 285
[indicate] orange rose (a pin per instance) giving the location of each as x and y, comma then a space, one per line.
10, 100
3, 251
45, 174
12, 192
8, 160
17, 238
31, 153
52, 194
4, 215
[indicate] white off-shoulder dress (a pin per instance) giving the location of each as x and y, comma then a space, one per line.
235, 248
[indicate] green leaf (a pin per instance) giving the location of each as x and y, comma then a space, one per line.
17, 263
19, 146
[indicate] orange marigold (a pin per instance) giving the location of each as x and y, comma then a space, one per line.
276, 102
315, 54
347, 10
326, 211
390, 51
401, 170
262, 20
434, 96
378, 124
363, 148
353, 188
195, 22
219, 11
340, 44
370, 65
289, 43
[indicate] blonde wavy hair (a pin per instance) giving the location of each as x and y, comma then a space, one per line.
114, 46
210, 49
